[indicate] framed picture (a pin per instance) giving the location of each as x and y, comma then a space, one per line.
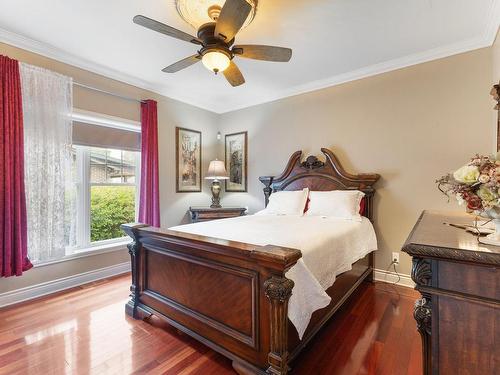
236, 161
495, 92
188, 160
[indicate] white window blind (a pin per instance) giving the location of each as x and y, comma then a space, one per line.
97, 130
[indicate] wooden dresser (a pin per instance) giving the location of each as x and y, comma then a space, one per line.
208, 213
458, 315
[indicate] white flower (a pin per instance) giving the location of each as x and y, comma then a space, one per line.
460, 199
487, 196
468, 174
484, 178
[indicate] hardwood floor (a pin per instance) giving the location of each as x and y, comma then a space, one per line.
85, 331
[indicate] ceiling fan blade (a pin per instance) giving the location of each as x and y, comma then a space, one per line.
165, 29
182, 64
233, 75
232, 16
267, 53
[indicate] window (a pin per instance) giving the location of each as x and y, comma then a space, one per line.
105, 169
106, 193
112, 192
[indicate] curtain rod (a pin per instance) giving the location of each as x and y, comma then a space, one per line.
107, 92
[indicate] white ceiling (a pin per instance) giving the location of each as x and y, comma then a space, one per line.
333, 41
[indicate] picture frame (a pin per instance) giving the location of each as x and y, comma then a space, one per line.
495, 93
236, 160
187, 160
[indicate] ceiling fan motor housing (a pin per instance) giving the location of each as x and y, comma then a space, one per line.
211, 43
206, 34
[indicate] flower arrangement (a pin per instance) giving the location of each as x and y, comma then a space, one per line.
476, 184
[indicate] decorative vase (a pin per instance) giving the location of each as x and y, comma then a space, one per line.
493, 238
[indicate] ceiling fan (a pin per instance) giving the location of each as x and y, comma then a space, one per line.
216, 40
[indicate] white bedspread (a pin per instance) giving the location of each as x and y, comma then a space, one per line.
329, 247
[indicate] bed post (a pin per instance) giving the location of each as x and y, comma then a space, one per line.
369, 194
267, 181
278, 290
134, 248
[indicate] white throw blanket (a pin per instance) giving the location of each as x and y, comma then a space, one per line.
329, 247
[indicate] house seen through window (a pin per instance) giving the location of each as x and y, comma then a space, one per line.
112, 192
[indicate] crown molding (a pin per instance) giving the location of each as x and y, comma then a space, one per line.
47, 50
365, 72
55, 53
485, 40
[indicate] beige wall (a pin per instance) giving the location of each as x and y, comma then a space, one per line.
411, 126
496, 58
171, 113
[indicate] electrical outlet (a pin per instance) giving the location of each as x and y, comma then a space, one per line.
395, 257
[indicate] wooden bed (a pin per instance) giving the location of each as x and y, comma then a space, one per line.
233, 296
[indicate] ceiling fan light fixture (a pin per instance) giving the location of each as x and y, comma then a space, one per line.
199, 12
217, 38
216, 61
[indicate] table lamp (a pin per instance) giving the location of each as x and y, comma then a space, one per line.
216, 172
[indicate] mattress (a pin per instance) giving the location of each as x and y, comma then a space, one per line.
329, 247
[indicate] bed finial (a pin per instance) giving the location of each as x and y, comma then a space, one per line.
312, 162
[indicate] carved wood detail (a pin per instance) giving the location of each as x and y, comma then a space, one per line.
423, 316
469, 256
134, 250
278, 290
267, 181
312, 162
421, 272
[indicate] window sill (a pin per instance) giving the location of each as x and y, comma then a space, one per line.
89, 251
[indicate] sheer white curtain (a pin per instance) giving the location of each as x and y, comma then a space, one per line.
47, 107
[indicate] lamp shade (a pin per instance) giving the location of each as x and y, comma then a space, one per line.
216, 171
215, 61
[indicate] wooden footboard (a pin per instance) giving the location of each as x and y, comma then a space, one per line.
231, 296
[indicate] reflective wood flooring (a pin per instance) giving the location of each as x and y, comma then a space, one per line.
85, 331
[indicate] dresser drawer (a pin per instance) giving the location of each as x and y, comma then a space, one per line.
216, 215
206, 213
477, 280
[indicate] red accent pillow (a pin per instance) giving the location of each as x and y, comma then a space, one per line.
362, 206
307, 205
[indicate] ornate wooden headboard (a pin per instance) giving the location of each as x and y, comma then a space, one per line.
321, 176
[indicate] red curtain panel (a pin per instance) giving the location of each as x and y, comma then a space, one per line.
149, 203
13, 236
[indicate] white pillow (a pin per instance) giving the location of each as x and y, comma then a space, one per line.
286, 203
343, 204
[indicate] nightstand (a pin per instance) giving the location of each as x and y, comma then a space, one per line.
206, 213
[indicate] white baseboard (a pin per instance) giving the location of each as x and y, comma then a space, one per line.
392, 277
39, 290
